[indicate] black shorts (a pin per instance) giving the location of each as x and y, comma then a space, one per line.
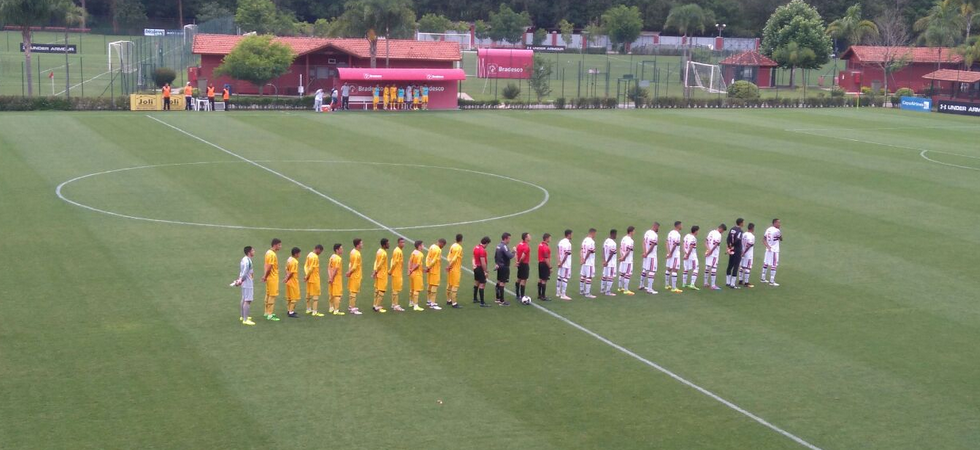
523, 271
544, 272
480, 275
503, 274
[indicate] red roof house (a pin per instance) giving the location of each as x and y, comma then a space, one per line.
864, 66
751, 66
317, 60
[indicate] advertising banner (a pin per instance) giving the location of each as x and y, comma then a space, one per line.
50, 48
961, 108
154, 32
547, 48
504, 63
154, 102
917, 104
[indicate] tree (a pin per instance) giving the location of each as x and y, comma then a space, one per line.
507, 25
326, 28
970, 53
686, 19
941, 27
371, 18
26, 14
129, 13
73, 16
256, 15
592, 32
539, 36
798, 23
258, 60
970, 10
481, 29
211, 10
566, 29
541, 76
893, 36
622, 24
434, 23
852, 27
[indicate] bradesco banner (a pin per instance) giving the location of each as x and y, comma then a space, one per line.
917, 104
962, 108
504, 63
442, 83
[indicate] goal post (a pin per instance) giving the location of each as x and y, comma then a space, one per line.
121, 56
706, 77
463, 39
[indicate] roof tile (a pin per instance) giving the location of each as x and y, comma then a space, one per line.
878, 54
221, 44
750, 58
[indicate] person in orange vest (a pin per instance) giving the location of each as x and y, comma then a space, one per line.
166, 96
211, 96
188, 97
226, 97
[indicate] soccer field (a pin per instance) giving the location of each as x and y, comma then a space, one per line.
121, 232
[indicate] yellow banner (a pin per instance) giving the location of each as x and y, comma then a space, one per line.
153, 102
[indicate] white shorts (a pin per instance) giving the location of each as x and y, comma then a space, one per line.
772, 259
609, 271
691, 264
626, 269
674, 263
246, 294
587, 271
711, 262
565, 272
746, 263
650, 265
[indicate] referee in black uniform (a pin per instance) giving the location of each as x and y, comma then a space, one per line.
501, 259
734, 254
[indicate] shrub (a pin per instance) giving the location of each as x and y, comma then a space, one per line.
511, 91
744, 90
639, 96
905, 92
12, 103
560, 103
865, 90
837, 91
164, 75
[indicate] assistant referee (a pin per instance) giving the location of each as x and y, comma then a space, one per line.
734, 254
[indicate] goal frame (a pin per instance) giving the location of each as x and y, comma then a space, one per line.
463, 39
118, 55
691, 73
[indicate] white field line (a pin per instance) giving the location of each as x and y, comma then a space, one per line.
937, 127
922, 151
83, 82
622, 349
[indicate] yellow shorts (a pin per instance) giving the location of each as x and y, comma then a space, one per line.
396, 284
381, 283
292, 291
375, 100
415, 100
453, 278
415, 283
336, 289
313, 289
354, 285
425, 99
401, 99
272, 287
434, 279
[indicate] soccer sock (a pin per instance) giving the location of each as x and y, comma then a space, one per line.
241, 310
481, 295
581, 285
394, 299
352, 301
497, 293
588, 286
772, 278
673, 280
764, 270
517, 290
270, 304
643, 279
650, 283
476, 289
684, 279
246, 306
626, 283
713, 278
413, 298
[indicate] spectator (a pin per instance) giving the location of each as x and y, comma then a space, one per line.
188, 97
345, 93
226, 97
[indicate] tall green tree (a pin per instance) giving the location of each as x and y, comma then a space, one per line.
258, 60
622, 24
508, 25
970, 10
372, 18
893, 36
796, 22
434, 23
256, 16
566, 29
942, 27
26, 14
481, 29
852, 27
970, 53
541, 72
687, 19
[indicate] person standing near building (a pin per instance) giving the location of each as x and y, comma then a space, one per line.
210, 97
166, 96
188, 97
333, 99
318, 100
425, 96
226, 97
345, 96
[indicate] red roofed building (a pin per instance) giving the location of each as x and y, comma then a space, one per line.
750, 66
864, 66
317, 59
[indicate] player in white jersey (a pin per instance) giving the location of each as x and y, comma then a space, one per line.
772, 238
588, 265
711, 253
748, 242
691, 258
245, 276
673, 258
609, 257
564, 265
626, 261
649, 258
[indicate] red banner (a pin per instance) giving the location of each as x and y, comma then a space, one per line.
504, 63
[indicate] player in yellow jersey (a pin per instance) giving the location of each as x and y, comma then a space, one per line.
271, 279
395, 271
311, 270
380, 276
415, 277
354, 274
433, 267
376, 95
385, 98
292, 283
454, 268
335, 282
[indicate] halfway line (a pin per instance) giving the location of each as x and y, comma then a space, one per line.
560, 317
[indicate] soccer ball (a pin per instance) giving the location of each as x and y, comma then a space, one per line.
525, 300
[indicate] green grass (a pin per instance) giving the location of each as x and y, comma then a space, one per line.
87, 71
663, 73
119, 333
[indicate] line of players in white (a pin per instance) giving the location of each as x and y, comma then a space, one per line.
678, 251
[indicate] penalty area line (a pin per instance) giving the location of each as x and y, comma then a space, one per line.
560, 317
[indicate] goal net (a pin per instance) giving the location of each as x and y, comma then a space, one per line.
463, 39
122, 57
706, 77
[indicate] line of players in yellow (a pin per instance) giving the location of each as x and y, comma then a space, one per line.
424, 273
397, 98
